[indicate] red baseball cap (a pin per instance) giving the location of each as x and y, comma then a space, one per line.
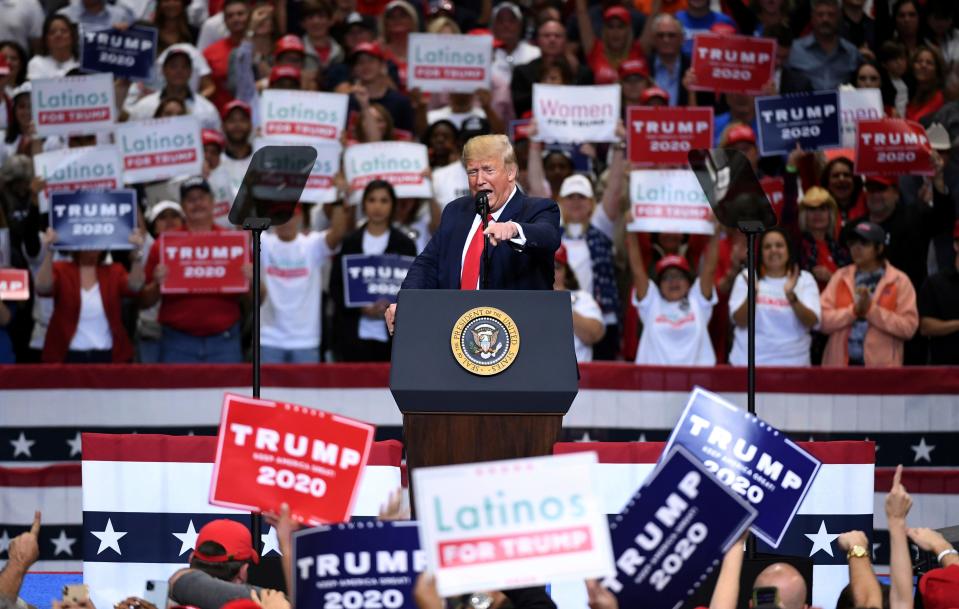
618, 12
233, 105
4, 65
652, 93
724, 29
370, 48
279, 72
233, 536
740, 134
671, 261
940, 588
561, 256
241, 603
880, 179
289, 42
212, 136
635, 67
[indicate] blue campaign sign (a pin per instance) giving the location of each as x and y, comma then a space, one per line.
370, 278
750, 456
357, 565
673, 533
129, 53
811, 119
93, 220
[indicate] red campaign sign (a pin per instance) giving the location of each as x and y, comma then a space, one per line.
664, 136
159, 159
14, 284
68, 117
774, 187
205, 262
892, 146
269, 453
734, 64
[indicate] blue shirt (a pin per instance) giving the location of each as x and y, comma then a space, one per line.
107, 18
694, 25
668, 79
824, 71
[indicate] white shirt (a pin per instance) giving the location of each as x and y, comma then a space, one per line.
457, 118
22, 20
292, 271
503, 62
212, 30
197, 105
781, 340
234, 169
93, 330
577, 252
450, 183
585, 305
201, 67
224, 192
675, 333
369, 328
44, 66
477, 225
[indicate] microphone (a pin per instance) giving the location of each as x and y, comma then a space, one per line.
482, 206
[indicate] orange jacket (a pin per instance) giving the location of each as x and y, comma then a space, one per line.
892, 317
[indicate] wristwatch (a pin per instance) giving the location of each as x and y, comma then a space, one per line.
857, 551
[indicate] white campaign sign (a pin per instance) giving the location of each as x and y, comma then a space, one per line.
160, 149
512, 524
74, 105
576, 114
856, 105
400, 163
303, 116
449, 63
319, 186
72, 169
668, 201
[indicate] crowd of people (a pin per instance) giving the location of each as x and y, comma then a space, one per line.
862, 270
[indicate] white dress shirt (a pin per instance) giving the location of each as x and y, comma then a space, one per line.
477, 225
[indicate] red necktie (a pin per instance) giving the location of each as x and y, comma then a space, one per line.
471, 264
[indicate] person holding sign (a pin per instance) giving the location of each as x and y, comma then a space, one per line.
523, 231
675, 311
86, 325
787, 306
177, 71
868, 307
359, 334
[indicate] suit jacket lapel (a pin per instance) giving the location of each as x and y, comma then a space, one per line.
464, 222
514, 207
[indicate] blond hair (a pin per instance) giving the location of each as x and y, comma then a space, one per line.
488, 147
816, 197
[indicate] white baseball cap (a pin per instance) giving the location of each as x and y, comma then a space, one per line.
154, 212
938, 137
576, 184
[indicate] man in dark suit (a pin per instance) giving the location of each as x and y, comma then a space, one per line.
523, 231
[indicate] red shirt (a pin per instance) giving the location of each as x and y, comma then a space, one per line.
914, 112
603, 72
218, 56
195, 314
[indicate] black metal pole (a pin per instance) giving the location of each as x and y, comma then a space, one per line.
751, 322
256, 521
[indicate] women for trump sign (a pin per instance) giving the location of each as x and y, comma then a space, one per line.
576, 114
449, 63
668, 200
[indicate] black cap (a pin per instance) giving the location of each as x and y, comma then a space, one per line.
867, 231
194, 182
473, 126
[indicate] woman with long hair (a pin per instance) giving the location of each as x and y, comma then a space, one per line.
173, 26
59, 50
399, 20
928, 78
787, 306
359, 333
17, 61
20, 136
845, 187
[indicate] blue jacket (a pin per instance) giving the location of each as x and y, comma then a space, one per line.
511, 267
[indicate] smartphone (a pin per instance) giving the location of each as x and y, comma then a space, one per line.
765, 597
76, 593
156, 592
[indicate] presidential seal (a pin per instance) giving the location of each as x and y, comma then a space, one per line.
485, 341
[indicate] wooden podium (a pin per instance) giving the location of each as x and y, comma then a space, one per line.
453, 415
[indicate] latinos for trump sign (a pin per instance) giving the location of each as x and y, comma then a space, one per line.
205, 262
320, 187
129, 53
748, 455
893, 146
809, 119
664, 136
669, 200
73, 169
94, 220
402, 164
733, 64
449, 63
270, 453
512, 523
160, 149
576, 114
673, 531
368, 279
73, 105
357, 564
14, 284
302, 116
858, 105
